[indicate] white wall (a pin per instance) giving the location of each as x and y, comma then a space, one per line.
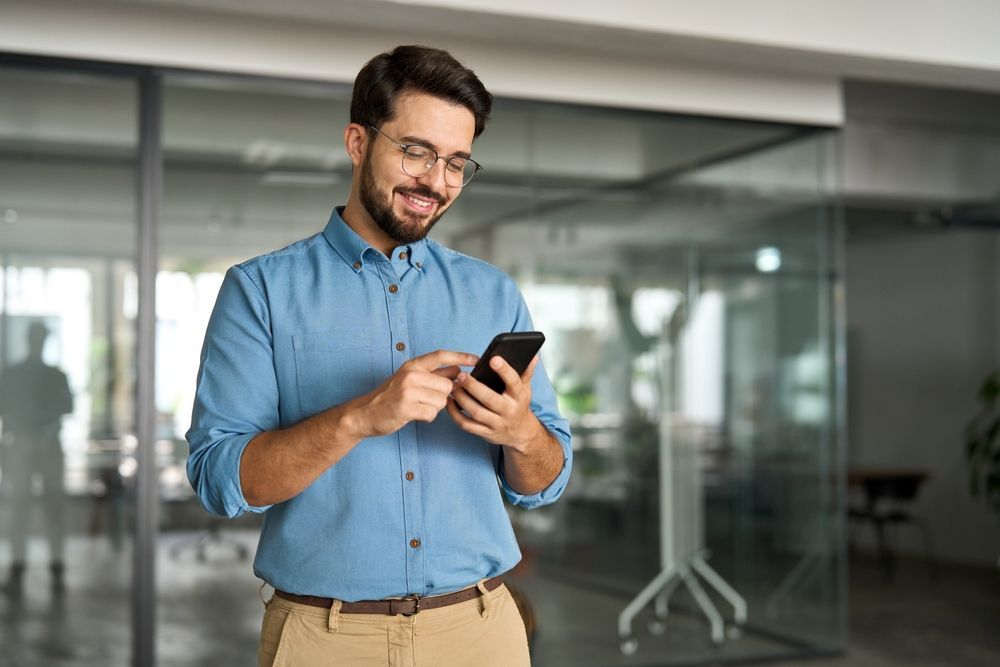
924, 315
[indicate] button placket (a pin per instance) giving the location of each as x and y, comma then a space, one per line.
406, 437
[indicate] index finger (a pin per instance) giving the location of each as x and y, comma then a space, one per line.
434, 360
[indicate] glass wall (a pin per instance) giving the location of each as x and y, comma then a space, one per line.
683, 270
67, 365
687, 297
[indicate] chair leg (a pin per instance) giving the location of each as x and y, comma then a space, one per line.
884, 554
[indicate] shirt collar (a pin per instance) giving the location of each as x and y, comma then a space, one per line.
352, 248
416, 253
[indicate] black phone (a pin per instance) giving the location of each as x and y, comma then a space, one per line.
517, 349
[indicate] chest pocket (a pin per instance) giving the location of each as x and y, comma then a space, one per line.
332, 367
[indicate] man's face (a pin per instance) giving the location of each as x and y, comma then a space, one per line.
403, 206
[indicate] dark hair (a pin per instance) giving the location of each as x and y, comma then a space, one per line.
418, 69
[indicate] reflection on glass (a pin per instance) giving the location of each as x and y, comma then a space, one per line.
67, 150
34, 396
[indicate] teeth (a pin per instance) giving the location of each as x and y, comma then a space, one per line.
422, 203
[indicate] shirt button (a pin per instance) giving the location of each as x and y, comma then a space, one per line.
414, 543
404, 255
419, 265
400, 346
393, 289
357, 265
409, 476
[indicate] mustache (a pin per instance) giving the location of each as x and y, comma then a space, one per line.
424, 192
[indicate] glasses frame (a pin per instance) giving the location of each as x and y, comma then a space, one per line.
403, 148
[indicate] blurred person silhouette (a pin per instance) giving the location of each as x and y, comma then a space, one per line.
33, 398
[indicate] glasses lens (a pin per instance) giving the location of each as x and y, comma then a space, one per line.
460, 173
417, 160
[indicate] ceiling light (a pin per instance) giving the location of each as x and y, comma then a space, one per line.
768, 259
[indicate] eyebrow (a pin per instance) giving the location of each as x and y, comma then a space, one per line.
410, 139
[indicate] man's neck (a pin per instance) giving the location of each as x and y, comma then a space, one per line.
357, 218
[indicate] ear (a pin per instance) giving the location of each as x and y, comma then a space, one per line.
355, 142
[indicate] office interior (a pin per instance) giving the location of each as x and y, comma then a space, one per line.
751, 325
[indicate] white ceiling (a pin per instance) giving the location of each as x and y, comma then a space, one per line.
897, 40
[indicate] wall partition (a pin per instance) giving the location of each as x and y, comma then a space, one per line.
683, 269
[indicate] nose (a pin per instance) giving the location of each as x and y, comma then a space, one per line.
434, 178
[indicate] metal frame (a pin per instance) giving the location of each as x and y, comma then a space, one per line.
150, 187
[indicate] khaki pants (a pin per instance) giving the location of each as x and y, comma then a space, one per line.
483, 632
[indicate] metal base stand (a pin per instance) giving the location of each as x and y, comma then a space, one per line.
664, 585
682, 552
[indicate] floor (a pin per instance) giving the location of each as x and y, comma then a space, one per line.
209, 614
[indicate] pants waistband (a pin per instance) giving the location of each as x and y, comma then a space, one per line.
408, 605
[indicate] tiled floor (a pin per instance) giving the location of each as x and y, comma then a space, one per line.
209, 612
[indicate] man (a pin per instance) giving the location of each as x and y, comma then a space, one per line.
33, 398
332, 396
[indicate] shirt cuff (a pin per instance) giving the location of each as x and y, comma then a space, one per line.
232, 502
550, 493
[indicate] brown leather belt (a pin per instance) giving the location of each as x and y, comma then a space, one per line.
407, 606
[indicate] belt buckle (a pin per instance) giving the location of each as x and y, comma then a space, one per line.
394, 605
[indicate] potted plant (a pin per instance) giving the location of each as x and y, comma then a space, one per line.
982, 444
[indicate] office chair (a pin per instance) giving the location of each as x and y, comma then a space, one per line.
887, 500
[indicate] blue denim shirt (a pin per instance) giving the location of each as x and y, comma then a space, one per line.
312, 325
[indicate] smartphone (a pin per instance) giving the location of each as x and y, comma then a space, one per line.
517, 349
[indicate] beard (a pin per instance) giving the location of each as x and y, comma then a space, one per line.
378, 203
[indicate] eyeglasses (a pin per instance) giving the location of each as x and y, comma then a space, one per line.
419, 160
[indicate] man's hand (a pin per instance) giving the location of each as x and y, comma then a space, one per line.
502, 419
418, 391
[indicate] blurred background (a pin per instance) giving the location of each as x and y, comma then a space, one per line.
763, 240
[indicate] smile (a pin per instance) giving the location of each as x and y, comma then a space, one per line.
417, 203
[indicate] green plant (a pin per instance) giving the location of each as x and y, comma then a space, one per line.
982, 446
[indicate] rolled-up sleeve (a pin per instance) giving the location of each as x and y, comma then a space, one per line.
236, 396
546, 409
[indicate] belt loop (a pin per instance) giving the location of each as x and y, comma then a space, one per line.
485, 597
260, 594
333, 622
